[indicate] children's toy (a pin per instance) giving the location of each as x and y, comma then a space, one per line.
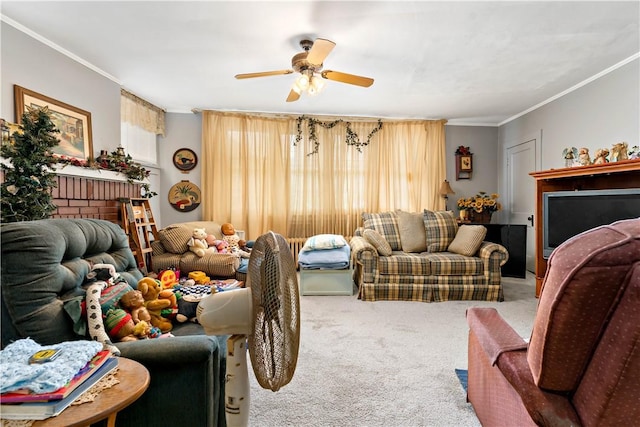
187, 306
168, 278
120, 325
634, 153
157, 300
200, 277
569, 155
133, 302
230, 236
198, 242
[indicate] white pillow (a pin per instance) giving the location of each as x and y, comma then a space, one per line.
324, 241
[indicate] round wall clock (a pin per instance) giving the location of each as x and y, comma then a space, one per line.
185, 159
184, 196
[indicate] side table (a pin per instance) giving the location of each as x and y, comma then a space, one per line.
134, 381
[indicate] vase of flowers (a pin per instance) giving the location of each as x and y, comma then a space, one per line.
480, 207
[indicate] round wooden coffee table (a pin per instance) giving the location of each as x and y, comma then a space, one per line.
134, 380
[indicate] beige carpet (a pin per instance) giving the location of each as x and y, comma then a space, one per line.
384, 363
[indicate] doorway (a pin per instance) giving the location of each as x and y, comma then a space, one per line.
522, 158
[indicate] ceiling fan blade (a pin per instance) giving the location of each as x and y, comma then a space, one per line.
351, 79
319, 51
293, 96
263, 74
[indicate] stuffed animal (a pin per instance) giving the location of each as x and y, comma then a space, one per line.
102, 279
120, 325
198, 242
229, 235
601, 156
619, 152
187, 307
634, 153
157, 300
133, 302
583, 157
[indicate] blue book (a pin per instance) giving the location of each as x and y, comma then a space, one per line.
43, 410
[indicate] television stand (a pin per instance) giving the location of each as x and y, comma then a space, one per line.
623, 174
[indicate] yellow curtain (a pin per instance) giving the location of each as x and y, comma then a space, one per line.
257, 178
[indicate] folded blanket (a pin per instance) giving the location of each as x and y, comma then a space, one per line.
16, 372
333, 259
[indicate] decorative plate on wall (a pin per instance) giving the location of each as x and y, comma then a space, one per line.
184, 196
185, 159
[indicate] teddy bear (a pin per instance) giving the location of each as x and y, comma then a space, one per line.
157, 300
601, 156
198, 242
187, 307
583, 156
229, 235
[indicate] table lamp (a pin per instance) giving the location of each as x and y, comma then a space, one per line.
445, 190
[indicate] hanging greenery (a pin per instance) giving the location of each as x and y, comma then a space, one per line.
26, 190
116, 161
352, 138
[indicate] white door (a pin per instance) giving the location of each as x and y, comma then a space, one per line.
521, 159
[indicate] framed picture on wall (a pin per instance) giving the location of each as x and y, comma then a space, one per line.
73, 123
185, 159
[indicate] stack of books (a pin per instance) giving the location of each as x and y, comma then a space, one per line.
26, 405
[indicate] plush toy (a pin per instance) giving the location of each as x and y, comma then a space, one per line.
229, 235
222, 246
199, 277
601, 156
133, 302
187, 307
634, 153
157, 300
169, 278
243, 245
619, 152
198, 242
583, 157
120, 325
103, 284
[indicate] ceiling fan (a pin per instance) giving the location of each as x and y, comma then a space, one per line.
309, 64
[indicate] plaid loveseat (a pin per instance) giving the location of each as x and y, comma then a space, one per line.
432, 275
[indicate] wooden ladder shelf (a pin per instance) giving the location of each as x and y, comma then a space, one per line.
140, 226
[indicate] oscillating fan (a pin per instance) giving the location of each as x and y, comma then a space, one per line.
266, 315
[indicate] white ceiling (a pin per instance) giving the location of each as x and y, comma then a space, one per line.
468, 62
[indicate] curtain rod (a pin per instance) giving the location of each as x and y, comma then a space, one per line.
320, 117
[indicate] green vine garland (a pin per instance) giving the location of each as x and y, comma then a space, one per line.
352, 138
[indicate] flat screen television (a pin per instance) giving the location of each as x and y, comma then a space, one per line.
568, 213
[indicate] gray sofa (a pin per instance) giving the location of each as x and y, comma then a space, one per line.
43, 267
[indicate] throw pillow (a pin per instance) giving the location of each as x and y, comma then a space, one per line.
412, 232
378, 242
175, 239
385, 223
324, 241
441, 227
468, 240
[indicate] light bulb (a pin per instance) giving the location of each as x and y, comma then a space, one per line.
303, 82
317, 83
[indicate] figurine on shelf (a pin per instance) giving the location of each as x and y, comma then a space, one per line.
569, 154
601, 156
583, 157
619, 152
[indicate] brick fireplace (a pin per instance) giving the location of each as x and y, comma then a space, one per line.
86, 193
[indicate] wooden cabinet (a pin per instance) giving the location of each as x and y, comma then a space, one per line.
623, 174
464, 166
514, 239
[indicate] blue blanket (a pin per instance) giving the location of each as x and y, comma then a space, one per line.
333, 259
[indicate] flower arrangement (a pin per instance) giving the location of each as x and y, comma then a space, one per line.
481, 202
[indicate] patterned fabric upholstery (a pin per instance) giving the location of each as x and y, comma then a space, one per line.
378, 241
439, 276
468, 240
172, 251
582, 362
441, 228
385, 223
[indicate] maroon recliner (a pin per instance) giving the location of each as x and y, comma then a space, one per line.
581, 366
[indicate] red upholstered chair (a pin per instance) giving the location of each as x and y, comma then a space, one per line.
582, 364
